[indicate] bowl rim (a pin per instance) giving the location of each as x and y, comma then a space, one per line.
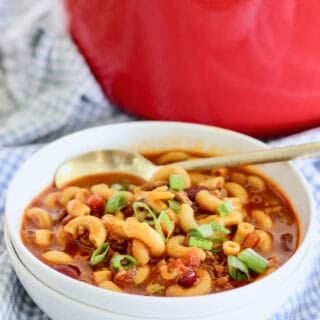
168, 300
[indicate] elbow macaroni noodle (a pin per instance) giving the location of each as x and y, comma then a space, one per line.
186, 217
156, 240
231, 248
146, 234
95, 226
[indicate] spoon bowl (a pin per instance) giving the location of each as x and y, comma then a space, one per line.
129, 162
104, 161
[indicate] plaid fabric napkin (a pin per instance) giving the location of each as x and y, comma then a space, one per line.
47, 91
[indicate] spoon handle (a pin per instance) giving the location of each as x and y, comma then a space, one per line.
306, 150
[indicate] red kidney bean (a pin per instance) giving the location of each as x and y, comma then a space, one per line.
70, 271
188, 279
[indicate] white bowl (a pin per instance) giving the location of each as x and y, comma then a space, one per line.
38, 172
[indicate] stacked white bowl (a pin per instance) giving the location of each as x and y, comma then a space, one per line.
62, 297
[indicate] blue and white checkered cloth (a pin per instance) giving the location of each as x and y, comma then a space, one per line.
47, 91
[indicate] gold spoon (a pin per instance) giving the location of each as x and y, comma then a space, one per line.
105, 161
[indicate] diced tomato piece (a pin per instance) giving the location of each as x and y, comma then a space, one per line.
192, 259
177, 265
96, 204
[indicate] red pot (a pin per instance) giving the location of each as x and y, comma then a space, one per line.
248, 65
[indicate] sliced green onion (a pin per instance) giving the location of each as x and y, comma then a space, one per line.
123, 261
176, 182
117, 186
253, 260
237, 269
144, 215
217, 227
202, 231
116, 202
207, 230
164, 222
225, 208
200, 243
99, 254
174, 205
